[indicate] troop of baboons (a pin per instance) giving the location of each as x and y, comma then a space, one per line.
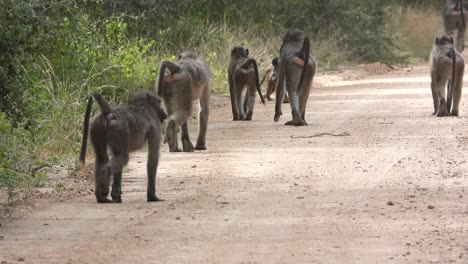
180, 83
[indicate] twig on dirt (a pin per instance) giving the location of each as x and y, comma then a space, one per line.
385, 123
344, 134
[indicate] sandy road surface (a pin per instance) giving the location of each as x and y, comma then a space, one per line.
394, 191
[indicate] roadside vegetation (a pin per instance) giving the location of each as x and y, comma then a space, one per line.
55, 53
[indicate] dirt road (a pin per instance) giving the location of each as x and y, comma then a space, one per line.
393, 188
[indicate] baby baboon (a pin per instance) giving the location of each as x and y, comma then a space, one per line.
447, 68
454, 16
296, 70
123, 129
272, 81
243, 72
180, 83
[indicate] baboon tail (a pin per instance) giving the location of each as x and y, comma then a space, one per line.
306, 54
257, 78
173, 68
84, 141
451, 84
105, 108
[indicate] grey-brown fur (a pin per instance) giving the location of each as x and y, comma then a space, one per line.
122, 130
447, 69
454, 15
242, 74
296, 71
180, 83
271, 75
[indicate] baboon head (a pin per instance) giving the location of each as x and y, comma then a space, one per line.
444, 40
239, 51
187, 55
294, 35
150, 99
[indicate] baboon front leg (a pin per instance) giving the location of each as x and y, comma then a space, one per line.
152, 164
203, 119
186, 143
270, 90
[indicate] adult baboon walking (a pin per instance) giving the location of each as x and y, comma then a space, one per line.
271, 75
455, 19
180, 83
123, 129
447, 68
296, 71
243, 72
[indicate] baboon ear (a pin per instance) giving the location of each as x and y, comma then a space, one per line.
437, 41
274, 62
247, 52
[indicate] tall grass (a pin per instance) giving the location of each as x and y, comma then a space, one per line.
416, 29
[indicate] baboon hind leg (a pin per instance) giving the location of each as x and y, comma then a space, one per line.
203, 118
250, 100
434, 98
102, 172
120, 157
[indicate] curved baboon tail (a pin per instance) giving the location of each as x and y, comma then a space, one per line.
172, 67
105, 108
306, 53
84, 141
451, 84
257, 78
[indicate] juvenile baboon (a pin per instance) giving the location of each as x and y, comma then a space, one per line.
296, 71
123, 129
242, 73
271, 75
180, 83
454, 17
447, 68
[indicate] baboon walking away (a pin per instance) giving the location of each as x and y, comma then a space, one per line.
243, 73
182, 82
271, 75
296, 71
447, 69
123, 129
455, 19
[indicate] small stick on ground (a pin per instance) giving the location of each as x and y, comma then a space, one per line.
344, 134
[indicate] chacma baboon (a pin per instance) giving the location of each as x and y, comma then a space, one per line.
180, 83
447, 68
123, 129
242, 73
455, 18
271, 75
296, 71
